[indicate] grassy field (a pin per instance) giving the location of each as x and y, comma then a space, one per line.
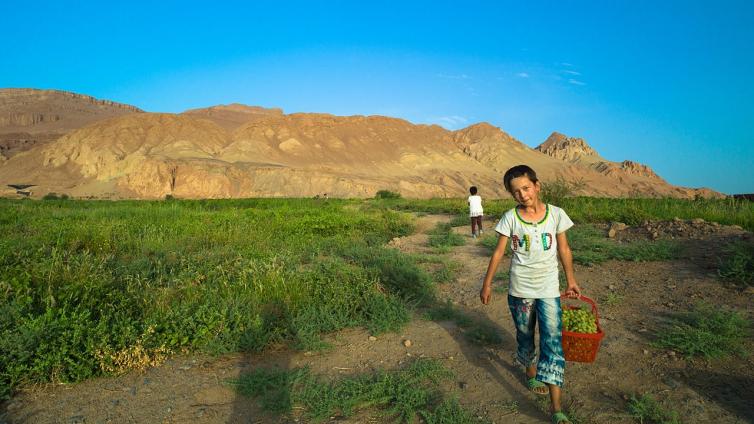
92, 287
98, 287
591, 209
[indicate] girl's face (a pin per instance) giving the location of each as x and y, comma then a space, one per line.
525, 191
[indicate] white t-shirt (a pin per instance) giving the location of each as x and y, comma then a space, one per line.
475, 205
534, 265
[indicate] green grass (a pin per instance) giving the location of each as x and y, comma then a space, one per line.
446, 271
476, 332
460, 221
489, 241
613, 299
99, 287
737, 263
631, 211
447, 312
634, 211
645, 409
500, 281
450, 411
396, 272
387, 194
501, 289
706, 331
441, 268
443, 237
401, 395
590, 247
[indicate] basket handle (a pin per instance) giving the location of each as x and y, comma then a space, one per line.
586, 300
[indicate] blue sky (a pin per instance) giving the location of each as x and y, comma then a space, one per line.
666, 83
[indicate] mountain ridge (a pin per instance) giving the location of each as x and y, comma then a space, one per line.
237, 150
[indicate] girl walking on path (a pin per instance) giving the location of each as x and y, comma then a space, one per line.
537, 232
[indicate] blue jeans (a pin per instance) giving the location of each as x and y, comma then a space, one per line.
526, 313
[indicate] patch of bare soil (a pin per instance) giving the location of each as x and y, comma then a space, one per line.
635, 300
677, 228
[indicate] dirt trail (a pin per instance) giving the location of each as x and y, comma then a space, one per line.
487, 380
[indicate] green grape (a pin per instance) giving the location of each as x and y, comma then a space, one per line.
579, 321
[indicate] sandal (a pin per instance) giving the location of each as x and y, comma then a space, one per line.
560, 418
533, 384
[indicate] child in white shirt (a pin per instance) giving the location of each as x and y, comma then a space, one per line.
475, 212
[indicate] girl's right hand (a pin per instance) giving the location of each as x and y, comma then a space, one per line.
485, 294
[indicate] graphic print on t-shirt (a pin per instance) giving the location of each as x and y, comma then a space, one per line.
525, 241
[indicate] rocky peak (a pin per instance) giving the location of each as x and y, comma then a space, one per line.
569, 149
636, 168
484, 131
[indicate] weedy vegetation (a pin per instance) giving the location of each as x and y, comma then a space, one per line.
93, 287
442, 237
402, 395
591, 247
477, 332
646, 409
613, 299
632, 211
706, 331
387, 194
737, 263
460, 221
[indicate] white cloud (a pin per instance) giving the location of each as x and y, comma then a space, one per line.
566, 71
522, 75
576, 82
450, 122
566, 64
450, 76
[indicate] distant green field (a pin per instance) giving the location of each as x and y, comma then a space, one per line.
592, 209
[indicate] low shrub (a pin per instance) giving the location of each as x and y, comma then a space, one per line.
387, 194
646, 409
737, 263
55, 196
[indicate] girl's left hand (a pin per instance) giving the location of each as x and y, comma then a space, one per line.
573, 291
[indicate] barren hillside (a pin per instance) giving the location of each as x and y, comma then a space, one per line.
29, 116
115, 151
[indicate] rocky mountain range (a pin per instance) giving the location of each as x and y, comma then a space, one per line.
29, 116
86, 147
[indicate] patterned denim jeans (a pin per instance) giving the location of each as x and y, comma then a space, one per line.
526, 314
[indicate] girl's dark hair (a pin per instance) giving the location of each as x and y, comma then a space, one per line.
472, 190
518, 171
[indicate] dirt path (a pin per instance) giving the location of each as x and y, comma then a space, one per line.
194, 389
